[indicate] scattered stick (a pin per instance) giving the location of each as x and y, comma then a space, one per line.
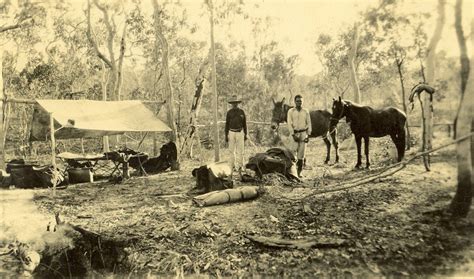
169, 195
67, 261
53, 270
9, 252
387, 171
84, 217
297, 244
84, 232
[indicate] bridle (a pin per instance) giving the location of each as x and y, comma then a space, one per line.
341, 115
281, 117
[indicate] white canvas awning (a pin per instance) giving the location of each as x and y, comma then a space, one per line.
86, 119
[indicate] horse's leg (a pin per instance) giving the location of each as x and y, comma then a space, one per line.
358, 140
366, 146
401, 144
328, 149
335, 144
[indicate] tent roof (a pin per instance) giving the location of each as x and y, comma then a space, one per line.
86, 118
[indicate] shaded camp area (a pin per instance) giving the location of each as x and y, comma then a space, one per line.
88, 119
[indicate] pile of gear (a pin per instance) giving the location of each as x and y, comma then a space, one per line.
24, 174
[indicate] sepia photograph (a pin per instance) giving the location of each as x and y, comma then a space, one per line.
236, 139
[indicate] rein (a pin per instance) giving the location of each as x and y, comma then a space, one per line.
283, 113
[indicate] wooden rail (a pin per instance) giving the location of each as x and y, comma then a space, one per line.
449, 125
222, 121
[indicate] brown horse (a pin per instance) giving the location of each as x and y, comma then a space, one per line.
320, 122
366, 122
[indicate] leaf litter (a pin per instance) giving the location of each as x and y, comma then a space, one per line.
395, 226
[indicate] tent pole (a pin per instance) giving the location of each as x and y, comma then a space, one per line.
105, 140
53, 150
82, 146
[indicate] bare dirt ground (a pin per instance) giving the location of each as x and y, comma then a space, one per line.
395, 226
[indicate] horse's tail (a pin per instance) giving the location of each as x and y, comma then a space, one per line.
401, 134
402, 144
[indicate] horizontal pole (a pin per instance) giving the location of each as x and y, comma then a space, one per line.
19, 101
435, 124
221, 122
28, 101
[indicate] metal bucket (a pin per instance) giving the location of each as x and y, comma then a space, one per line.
80, 175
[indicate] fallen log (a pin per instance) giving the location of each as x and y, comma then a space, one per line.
298, 243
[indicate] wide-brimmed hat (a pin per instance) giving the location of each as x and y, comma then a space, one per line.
234, 99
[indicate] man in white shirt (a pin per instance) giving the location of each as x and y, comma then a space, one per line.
299, 124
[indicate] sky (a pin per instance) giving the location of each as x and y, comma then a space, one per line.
297, 23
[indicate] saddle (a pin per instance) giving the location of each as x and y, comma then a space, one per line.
274, 160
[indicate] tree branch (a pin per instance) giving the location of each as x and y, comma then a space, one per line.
18, 25
91, 39
110, 31
384, 172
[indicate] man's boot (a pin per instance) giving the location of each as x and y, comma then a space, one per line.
299, 167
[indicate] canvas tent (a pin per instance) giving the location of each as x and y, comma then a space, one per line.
87, 119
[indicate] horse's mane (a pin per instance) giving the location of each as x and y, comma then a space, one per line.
351, 103
283, 105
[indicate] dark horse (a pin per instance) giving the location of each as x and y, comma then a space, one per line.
320, 122
367, 122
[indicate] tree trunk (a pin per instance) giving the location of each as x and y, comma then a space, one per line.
109, 62
3, 105
430, 77
161, 41
214, 83
2, 115
462, 200
191, 130
115, 78
118, 84
426, 158
105, 139
399, 63
464, 59
325, 99
110, 47
352, 57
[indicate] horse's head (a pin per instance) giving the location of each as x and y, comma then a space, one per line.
279, 113
339, 110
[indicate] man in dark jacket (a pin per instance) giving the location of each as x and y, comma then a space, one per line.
236, 132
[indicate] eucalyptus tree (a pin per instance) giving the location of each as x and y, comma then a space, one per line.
107, 27
331, 54
277, 69
396, 39
20, 23
74, 65
464, 122
162, 43
463, 57
219, 12
430, 78
169, 59
352, 63
462, 200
